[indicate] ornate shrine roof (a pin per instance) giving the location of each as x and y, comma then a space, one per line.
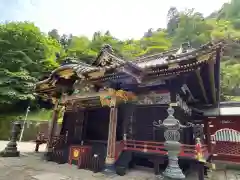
107, 67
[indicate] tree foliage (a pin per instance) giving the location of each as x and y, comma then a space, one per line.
27, 54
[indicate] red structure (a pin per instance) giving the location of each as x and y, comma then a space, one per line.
79, 154
224, 131
119, 113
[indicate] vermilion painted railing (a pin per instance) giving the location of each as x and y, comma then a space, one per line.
159, 148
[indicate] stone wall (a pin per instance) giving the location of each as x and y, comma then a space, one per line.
32, 128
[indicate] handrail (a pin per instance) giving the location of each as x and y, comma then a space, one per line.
158, 147
58, 140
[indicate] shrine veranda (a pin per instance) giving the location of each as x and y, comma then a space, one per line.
149, 111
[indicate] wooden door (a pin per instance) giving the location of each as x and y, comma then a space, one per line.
144, 118
78, 127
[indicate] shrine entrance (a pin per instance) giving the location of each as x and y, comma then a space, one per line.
97, 122
145, 115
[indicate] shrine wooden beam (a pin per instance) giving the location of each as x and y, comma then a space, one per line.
53, 126
200, 81
212, 80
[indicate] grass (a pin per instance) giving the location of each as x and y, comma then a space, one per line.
46, 115
42, 115
234, 98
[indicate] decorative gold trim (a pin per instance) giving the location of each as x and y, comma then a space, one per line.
111, 97
173, 66
97, 74
109, 160
54, 100
173, 104
66, 73
204, 57
44, 86
76, 153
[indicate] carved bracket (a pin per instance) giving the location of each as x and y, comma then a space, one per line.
112, 97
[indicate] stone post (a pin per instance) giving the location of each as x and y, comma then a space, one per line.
172, 137
11, 148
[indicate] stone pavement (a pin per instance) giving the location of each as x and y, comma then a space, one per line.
30, 166
24, 147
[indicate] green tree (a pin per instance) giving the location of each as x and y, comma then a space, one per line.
25, 55
192, 27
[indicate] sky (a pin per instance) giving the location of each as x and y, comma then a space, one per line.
125, 19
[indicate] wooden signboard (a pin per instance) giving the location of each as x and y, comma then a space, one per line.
78, 154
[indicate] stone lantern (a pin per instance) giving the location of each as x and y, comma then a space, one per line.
172, 144
11, 148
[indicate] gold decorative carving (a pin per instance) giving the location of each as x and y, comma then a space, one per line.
155, 98
173, 104
173, 66
66, 73
111, 97
44, 86
82, 86
109, 160
97, 74
204, 57
69, 106
76, 153
54, 100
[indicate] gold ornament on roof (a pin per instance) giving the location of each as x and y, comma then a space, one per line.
66, 73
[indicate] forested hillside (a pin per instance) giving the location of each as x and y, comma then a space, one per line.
27, 54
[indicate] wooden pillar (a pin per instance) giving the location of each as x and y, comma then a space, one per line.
53, 126
110, 158
208, 135
200, 171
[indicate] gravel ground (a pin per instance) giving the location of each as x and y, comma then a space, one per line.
31, 166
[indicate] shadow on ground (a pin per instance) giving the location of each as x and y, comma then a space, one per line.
32, 166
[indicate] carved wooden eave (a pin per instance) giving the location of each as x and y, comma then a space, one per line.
212, 80
65, 71
107, 59
83, 71
170, 63
160, 98
190, 97
108, 67
200, 81
78, 97
91, 99
183, 105
103, 59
